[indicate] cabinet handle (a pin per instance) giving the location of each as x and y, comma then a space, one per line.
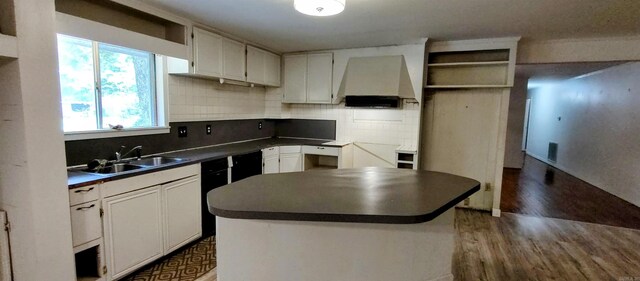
81, 191
320, 147
85, 208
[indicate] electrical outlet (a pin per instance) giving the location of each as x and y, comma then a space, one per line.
182, 131
260, 125
208, 131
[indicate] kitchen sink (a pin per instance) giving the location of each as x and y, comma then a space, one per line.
116, 168
155, 161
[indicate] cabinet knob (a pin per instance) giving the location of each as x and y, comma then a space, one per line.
83, 190
320, 147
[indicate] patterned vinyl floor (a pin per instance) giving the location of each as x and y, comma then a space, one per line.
184, 265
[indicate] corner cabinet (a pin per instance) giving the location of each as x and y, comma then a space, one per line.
263, 67
308, 78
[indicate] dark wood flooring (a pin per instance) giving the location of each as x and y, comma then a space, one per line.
522, 247
541, 190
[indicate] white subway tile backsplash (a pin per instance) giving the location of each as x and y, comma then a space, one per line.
192, 99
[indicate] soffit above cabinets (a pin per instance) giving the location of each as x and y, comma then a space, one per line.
277, 25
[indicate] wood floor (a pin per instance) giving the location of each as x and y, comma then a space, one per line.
541, 190
521, 247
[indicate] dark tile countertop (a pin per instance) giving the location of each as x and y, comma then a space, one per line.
78, 178
364, 195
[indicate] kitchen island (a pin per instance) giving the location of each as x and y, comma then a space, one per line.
351, 224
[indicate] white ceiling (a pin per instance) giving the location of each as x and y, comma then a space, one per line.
365, 23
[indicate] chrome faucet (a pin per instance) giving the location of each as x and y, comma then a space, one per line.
137, 149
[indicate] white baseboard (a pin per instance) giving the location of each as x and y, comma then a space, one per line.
496, 213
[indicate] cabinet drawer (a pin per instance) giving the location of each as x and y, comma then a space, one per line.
83, 194
321, 150
270, 151
85, 223
290, 149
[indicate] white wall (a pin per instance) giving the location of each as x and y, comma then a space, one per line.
579, 50
513, 154
597, 133
192, 99
33, 177
399, 130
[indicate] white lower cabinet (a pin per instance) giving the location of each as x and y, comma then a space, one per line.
133, 230
181, 204
85, 223
148, 216
290, 159
271, 160
271, 164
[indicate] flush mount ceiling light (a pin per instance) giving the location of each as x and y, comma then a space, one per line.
319, 8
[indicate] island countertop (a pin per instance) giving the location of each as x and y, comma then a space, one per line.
364, 195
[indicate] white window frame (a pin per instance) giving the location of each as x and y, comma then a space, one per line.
161, 112
95, 31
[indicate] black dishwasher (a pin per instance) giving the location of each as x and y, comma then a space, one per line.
214, 175
246, 165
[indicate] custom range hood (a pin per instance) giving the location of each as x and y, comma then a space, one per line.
376, 82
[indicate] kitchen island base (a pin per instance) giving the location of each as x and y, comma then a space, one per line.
277, 250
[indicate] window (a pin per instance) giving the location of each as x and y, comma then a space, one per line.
104, 86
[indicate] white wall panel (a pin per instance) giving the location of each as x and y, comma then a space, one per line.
595, 121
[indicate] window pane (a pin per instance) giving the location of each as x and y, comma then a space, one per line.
75, 60
126, 78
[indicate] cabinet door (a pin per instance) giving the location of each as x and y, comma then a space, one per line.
295, 79
271, 164
182, 217
290, 162
207, 53
319, 78
272, 69
256, 65
132, 230
233, 59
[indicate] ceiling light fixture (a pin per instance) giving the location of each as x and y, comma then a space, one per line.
319, 8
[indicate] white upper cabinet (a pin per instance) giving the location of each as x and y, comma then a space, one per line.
308, 78
207, 53
255, 65
272, 69
263, 67
295, 79
319, 78
213, 56
233, 53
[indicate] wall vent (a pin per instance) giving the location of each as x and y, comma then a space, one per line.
552, 155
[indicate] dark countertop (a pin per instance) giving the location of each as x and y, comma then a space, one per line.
80, 179
365, 195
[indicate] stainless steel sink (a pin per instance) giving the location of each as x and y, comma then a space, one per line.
116, 168
155, 161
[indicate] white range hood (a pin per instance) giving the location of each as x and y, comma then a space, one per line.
381, 81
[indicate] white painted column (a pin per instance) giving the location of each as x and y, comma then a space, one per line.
33, 186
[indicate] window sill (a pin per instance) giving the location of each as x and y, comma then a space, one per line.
101, 134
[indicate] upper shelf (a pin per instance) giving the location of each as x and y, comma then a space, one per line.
453, 64
8, 47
